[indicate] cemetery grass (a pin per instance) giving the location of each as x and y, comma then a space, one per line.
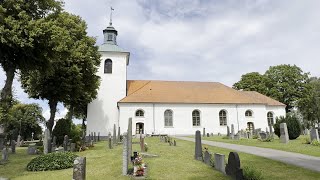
104, 163
173, 163
296, 145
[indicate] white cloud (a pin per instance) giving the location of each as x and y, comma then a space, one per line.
206, 40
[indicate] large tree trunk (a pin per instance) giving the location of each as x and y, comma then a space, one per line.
53, 110
6, 93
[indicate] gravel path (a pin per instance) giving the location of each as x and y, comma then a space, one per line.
301, 160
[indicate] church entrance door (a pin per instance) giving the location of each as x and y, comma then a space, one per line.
139, 128
250, 126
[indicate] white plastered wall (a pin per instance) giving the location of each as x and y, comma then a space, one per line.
103, 111
182, 117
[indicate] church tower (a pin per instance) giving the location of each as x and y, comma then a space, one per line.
103, 113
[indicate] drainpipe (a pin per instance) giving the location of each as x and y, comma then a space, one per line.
237, 117
154, 125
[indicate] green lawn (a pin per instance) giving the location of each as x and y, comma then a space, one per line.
296, 145
172, 163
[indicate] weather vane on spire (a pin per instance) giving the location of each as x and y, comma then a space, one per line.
111, 16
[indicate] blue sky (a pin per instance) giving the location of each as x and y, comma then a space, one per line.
200, 40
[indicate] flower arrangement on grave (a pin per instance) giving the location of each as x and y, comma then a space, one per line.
138, 166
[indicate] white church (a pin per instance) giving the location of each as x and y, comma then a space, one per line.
170, 107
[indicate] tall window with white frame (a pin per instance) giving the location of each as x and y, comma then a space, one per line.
196, 118
270, 118
108, 66
223, 118
168, 118
139, 113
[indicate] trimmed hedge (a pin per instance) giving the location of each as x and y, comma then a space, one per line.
293, 125
52, 161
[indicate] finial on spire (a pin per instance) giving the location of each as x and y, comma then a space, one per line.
111, 16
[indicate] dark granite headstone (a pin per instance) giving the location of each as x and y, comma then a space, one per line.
263, 135
98, 136
208, 135
118, 139
110, 143
13, 146
54, 143
228, 131
198, 146
114, 137
32, 149
207, 158
174, 143
233, 167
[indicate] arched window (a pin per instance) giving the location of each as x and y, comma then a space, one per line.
248, 113
168, 118
139, 113
108, 66
195, 118
223, 118
270, 118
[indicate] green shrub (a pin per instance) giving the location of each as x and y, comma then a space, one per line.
315, 143
293, 125
52, 161
62, 128
250, 173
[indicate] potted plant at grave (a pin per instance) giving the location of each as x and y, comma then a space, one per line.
138, 166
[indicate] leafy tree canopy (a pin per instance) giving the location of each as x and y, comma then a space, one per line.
24, 119
285, 83
71, 78
25, 39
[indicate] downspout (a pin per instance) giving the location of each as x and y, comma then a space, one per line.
237, 117
154, 125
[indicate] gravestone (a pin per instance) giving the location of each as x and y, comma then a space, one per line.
119, 140
2, 141
32, 150
314, 135
89, 140
54, 142
73, 147
207, 158
263, 135
114, 138
211, 134
98, 136
174, 143
125, 155
94, 137
13, 146
228, 131
110, 143
5, 154
284, 137
79, 168
267, 130
204, 132
46, 142
91, 143
165, 139
142, 143
306, 132
232, 129
129, 139
233, 167
66, 142
208, 135
18, 141
219, 163
237, 137
198, 147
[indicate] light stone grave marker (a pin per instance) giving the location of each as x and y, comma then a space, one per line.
65, 143
79, 168
314, 135
219, 162
125, 155
284, 137
129, 140
207, 158
5, 154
